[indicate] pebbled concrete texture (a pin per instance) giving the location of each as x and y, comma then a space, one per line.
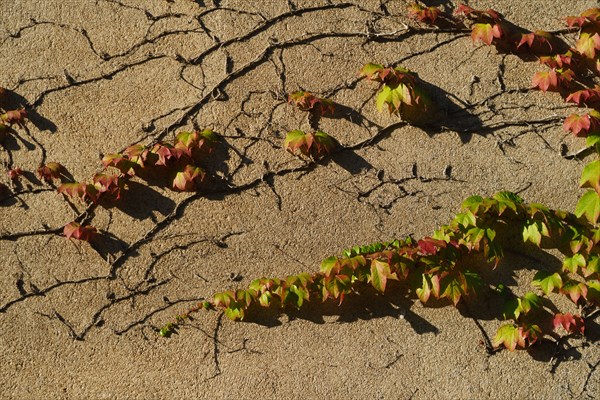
78, 321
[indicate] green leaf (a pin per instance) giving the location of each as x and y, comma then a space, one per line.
472, 204
592, 139
265, 299
511, 309
234, 313
371, 71
474, 236
547, 281
507, 200
301, 293
572, 264
529, 302
224, 299
593, 292
384, 97
472, 282
590, 177
509, 336
329, 264
451, 289
322, 144
465, 219
592, 267
380, 271
533, 232
589, 205
244, 297
425, 290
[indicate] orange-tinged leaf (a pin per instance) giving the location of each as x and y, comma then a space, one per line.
509, 336
188, 178
380, 271
579, 125
588, 43
424, 291
371, 71
72, 189
575, 290
486, 33
545, 80
451, 289
322, 144
571, 323
298, 140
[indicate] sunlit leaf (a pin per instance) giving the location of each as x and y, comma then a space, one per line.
571, 323
485, 32
547, 281
380, 271
589, 205
590, 177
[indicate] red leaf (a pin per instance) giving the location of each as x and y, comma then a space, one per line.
298, 140
572, 21
50, 171
464, 10
109, 184
577, 124
15, 173
80, 232
537, 40
165, 153
571, 323
424, 14
430, 246
14, 116
557, 60
585, 96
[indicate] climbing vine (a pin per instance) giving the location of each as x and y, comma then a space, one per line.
434, 267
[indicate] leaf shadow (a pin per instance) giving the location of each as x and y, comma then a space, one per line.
140, 201
12, 100
364, 304
449, 113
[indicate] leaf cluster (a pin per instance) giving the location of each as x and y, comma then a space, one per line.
8, 118
400, 89
433, 268
307, 101
311, 144
178, 161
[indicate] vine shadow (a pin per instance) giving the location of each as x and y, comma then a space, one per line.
364, 304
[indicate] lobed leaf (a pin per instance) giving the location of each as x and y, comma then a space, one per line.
79, 232
588, 43
590, 177
575, 290
547, 281
485, 33
589, 205
571, 323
